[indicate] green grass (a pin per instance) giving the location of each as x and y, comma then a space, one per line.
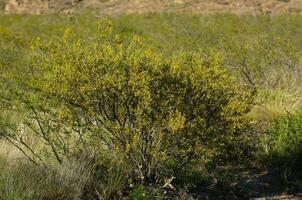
259, 48
286, 139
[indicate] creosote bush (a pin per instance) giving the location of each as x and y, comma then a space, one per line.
88, 99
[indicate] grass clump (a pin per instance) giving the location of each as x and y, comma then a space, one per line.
23, 180
286, 141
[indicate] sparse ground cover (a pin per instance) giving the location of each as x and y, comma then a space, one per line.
120, 7
232, 159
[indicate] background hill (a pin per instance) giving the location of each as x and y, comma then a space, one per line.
117, 7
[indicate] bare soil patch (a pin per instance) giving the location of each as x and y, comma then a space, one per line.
254, 184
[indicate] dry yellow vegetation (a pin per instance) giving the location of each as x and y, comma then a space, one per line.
117, 7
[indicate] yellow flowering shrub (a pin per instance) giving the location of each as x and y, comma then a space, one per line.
135, 103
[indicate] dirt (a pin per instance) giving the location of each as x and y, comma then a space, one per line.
253, 184
118, 7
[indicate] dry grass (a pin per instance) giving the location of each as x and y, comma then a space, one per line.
117, 7
273, 103
9, 152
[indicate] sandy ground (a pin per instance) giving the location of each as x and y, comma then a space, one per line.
118, 7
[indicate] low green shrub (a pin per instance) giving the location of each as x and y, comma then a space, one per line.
285, 135
140, 192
